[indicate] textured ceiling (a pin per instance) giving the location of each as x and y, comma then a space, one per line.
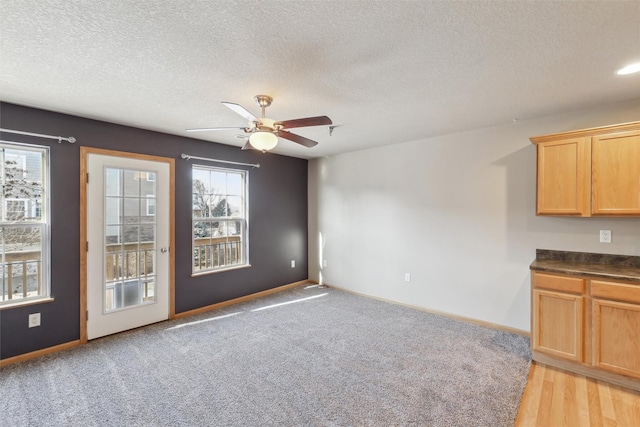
385, 72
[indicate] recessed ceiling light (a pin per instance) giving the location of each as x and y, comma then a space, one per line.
630, 69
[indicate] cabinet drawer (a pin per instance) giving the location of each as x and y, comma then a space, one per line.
615, 291
558, 283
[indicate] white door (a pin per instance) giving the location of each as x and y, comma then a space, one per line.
128, 243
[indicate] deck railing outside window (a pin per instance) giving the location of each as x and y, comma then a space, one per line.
216, 252
130, 274
20, 268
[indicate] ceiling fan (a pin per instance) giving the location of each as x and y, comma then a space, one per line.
264, 132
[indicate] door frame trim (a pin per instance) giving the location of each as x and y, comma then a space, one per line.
84, 152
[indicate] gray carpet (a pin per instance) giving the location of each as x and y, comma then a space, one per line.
304, 357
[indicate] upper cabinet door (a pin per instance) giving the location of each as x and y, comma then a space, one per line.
564, 177
616, 174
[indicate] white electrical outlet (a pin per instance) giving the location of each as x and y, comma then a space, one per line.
34, 320
605, 236
293, 263
407, 277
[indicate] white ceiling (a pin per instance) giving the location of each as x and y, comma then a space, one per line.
384, 72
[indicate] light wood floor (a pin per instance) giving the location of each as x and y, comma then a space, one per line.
556, 398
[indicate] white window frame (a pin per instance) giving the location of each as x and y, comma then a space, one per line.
42, 272
243, 219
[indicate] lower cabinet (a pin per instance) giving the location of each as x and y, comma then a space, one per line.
590, 324
558, 307
616, 327
558, 324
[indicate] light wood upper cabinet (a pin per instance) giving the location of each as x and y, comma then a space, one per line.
616, 174
589, 172
563, 177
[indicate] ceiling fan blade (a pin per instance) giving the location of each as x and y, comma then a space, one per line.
241, 110
307, 121
208, 129
297, 138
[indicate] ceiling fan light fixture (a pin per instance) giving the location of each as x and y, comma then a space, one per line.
264, 141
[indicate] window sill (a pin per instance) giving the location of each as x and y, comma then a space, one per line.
204, 273
42, 300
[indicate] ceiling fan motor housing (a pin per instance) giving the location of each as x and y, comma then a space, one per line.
263, 101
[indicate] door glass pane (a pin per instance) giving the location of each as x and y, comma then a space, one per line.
148, 236
132, 294
147, 263
147, 185
132, 182
148, 290
113, 234
131, 210
113, 210
113, 182
148, 209
131, 264
130, 238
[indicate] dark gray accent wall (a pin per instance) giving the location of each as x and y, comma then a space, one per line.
277, 221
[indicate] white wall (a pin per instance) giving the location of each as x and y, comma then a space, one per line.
457, 212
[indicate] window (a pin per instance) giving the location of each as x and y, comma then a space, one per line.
24, 222
219, 218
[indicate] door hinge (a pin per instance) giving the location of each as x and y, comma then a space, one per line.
87, 247
87, 177
87, 315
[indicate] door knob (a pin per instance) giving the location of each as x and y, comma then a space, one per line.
164, 250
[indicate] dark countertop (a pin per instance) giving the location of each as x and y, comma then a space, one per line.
604, 266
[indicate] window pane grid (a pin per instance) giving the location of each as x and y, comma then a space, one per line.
24, 225
130, 238
219, 218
